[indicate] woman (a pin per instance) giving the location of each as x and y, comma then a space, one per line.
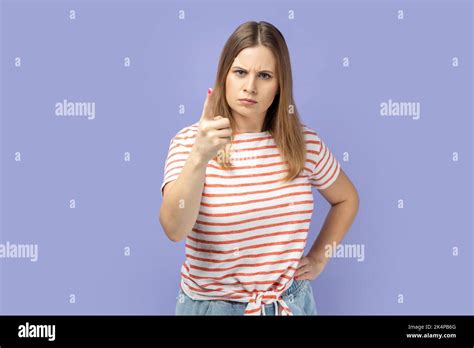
237, 187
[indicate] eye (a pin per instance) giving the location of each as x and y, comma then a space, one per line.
267, 76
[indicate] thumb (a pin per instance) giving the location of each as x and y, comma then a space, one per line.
208, 109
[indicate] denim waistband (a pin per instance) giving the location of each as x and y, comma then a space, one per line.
295, 286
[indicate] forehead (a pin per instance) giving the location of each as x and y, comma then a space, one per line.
255, 58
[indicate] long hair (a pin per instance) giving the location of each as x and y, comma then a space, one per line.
282, 118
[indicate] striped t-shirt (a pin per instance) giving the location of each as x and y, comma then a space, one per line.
251, 230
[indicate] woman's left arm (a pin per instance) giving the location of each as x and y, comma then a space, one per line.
344, 201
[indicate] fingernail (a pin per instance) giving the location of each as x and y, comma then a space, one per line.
209, 91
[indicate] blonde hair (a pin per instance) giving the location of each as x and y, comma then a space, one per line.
282, 118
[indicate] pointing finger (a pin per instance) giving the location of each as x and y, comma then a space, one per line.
208, 110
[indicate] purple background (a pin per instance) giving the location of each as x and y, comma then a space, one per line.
173, 62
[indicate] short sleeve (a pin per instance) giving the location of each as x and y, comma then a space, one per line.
325, 168
178, 153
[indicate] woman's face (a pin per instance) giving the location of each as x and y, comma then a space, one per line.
252, 75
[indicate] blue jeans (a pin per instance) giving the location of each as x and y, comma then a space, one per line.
298, 297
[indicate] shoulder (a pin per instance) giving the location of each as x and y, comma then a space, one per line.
310, 135
313, 143
186, 136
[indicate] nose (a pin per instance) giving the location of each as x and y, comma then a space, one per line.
250, 85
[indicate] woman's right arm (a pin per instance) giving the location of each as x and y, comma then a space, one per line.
182, 198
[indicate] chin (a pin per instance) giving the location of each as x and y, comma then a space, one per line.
244, 114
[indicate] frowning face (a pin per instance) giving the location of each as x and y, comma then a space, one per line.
253, 76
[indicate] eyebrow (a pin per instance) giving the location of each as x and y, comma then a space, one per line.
264, 71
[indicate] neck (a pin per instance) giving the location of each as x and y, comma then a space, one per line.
244, 125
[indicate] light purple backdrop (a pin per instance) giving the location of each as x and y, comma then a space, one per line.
422, 252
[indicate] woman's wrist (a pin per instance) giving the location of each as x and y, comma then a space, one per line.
318, 258
197, 159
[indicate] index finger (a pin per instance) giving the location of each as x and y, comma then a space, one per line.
208, 109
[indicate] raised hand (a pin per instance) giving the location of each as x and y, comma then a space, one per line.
214, 132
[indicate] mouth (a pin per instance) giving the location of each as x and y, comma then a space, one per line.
248, 101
